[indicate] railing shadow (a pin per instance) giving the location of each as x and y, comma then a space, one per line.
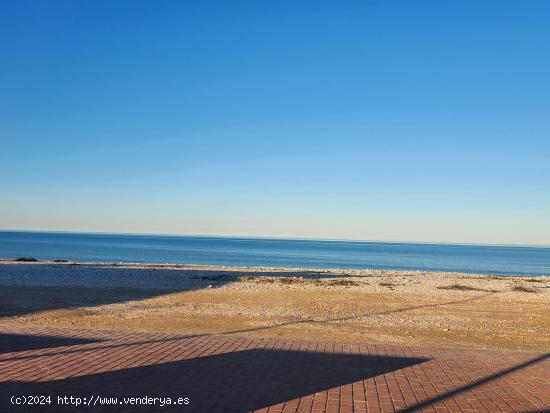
463, 389
359, 316
275, 326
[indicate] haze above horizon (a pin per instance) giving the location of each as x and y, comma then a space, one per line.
406, 122
267, 238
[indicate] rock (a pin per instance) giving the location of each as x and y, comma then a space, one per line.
26, 259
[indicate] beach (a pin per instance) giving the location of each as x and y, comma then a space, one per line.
376, 306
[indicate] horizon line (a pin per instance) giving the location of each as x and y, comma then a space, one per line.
352, 240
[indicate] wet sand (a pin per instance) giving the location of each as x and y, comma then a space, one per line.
430, 309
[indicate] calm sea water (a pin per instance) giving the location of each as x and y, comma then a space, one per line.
276, 252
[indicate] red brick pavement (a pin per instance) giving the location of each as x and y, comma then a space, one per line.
221, 373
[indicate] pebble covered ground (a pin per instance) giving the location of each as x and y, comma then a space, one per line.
444, 309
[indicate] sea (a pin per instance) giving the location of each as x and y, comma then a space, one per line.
269, 252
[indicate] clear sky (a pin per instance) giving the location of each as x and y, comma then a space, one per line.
386, 120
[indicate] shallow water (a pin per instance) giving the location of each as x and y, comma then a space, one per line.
485, 259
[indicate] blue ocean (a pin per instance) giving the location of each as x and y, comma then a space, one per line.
289, 253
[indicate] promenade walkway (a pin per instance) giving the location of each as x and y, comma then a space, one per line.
138, 372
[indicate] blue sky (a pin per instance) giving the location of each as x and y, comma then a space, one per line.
419, 121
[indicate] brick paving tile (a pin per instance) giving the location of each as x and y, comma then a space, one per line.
240, 374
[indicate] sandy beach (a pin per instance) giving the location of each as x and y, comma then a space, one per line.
418, 308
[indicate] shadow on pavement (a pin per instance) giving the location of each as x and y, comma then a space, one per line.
229, 382
11, 343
